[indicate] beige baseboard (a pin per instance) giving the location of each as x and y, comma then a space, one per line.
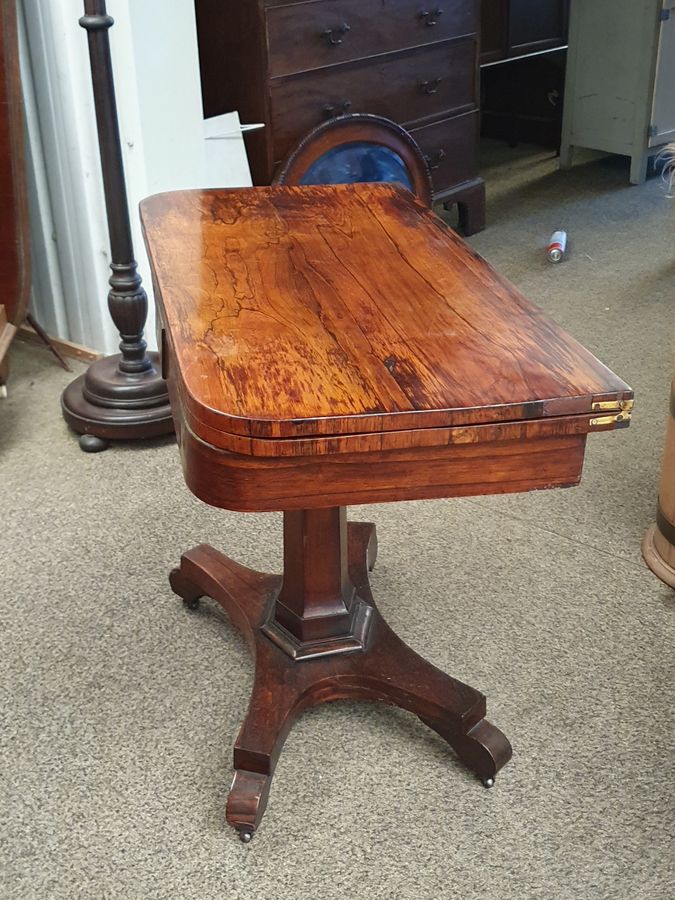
66, 348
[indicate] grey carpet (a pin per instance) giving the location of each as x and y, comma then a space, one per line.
119, 708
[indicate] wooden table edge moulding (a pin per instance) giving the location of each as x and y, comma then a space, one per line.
331, 345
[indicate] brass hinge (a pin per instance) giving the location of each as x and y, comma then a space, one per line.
623, 405
612, 420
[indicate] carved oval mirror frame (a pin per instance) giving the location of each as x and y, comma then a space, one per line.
358, 128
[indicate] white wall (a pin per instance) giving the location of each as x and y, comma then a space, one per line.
155, 61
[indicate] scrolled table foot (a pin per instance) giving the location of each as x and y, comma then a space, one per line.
186, 589
484, 749
247, 801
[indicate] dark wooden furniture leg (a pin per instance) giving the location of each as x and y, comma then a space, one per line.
317, 636
471, 207
470, 200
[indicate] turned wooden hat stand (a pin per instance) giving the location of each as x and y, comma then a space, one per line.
120, 397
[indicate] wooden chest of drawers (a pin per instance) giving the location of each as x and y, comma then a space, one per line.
292, 65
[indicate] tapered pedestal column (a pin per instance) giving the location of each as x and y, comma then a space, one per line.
317, 636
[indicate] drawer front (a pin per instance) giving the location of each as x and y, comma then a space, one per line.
305, 36
405, 87
451, 149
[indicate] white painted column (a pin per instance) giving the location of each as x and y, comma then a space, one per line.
58, 61
47, 298
156, 66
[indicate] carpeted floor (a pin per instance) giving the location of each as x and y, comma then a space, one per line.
119, 707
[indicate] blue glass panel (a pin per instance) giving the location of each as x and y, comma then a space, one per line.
357, 162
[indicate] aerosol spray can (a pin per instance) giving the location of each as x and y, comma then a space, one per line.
556, 246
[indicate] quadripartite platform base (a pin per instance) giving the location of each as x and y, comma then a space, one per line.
368, 662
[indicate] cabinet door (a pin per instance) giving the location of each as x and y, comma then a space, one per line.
663, 111
494, 30
537, 25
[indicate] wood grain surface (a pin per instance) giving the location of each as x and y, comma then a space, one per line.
348, 309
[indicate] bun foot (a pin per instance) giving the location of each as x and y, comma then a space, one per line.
90, 443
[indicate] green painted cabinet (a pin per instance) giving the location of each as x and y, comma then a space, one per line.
620, 81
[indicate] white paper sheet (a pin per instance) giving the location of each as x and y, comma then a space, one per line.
226, 159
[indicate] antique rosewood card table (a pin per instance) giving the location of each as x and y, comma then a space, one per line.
333, 345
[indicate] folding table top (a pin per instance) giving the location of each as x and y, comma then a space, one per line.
338, 310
